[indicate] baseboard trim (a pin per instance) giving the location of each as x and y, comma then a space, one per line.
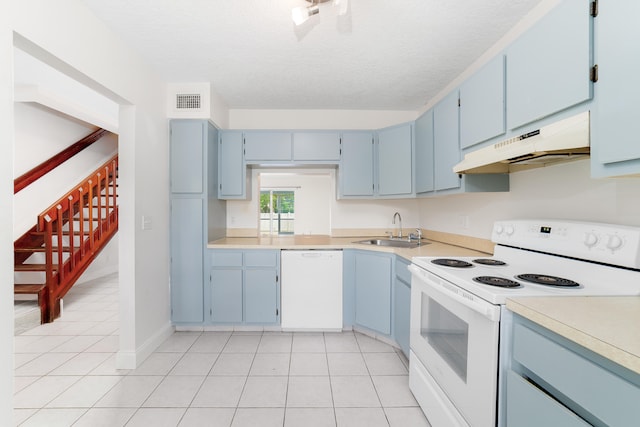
133, 359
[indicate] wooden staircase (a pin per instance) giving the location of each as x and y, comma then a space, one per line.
53, 254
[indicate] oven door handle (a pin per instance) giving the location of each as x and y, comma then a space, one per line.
488, 310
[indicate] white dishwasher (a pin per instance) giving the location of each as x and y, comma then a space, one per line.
311, 289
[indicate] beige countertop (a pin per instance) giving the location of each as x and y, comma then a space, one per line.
428, 248
608, 326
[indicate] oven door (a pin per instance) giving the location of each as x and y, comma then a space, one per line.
455, 337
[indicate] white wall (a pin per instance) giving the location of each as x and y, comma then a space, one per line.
375, 214
40, 134
6, 215
105, 263
35, 80
344, 214
564, 191
67, 36
317, 119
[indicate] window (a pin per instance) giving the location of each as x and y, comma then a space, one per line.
277, 212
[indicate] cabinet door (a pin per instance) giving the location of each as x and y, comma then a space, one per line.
548, 66
261, 296
401, 315
226, 295
267, 146
424, 153
187, 243
615, 118
446, 145
373, 291
187, 156
356, 166
316, 146
231, 165
395, 161
482, 104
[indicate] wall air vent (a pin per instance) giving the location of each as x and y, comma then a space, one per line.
188, 101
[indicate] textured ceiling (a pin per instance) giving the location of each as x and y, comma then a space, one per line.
382, 55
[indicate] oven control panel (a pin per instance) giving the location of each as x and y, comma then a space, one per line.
600, 242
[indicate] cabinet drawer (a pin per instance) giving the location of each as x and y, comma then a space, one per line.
261, 258
226, 259
588, 386
527, 406
401, 270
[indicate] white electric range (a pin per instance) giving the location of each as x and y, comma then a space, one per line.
457, 305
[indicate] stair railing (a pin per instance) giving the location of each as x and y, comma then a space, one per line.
92, 205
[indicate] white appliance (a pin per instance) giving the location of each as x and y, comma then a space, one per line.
311, 290
564, 140
457, 306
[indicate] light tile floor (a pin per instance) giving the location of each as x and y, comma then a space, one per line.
65, 375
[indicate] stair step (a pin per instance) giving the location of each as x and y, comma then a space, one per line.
28, 288
40, 249
33, 267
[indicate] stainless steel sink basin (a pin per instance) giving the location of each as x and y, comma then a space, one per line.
391, 242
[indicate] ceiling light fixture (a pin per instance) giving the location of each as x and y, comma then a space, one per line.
301, 14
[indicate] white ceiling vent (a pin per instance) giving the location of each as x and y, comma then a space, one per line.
188, 101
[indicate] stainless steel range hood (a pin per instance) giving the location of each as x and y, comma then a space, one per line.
561, 141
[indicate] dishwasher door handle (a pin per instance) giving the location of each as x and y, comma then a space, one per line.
311, 254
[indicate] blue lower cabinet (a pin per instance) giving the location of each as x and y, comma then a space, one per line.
245, 287
186, 260
261, 296
554, 381
402, 305
372, 273
226, 295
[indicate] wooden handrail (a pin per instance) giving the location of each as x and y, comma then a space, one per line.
92, 232
47, 166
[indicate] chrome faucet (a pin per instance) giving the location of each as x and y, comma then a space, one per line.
397, 214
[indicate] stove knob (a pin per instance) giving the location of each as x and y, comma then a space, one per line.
499, 229
509, 230
590, 239
614, 242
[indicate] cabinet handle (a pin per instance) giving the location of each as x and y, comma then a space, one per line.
593, 73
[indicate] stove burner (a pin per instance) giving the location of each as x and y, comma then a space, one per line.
489, 261
451, 262
497, 281
542, 279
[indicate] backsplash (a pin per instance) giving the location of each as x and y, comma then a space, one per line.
563, 191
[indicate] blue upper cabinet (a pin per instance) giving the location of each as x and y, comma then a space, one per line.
187, 154
446, 144
424, 153
548, 67
267, 146
615, 147
316, 147
232, 182
356, 166
482, 104
395, 161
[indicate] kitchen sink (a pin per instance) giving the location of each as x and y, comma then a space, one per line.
395, 243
